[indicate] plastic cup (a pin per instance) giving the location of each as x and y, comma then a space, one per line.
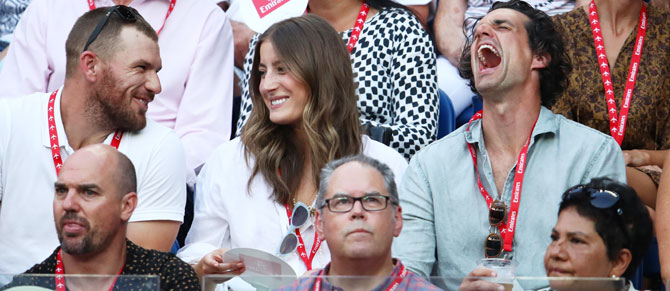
503, 267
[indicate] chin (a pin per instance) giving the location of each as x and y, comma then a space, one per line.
362, 252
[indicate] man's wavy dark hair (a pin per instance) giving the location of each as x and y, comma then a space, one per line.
542, 38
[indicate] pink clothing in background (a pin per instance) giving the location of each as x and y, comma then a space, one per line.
196, 48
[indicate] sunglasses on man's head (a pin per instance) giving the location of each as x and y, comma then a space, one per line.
126, 13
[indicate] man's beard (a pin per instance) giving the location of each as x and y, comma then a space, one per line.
81, 247
110, 108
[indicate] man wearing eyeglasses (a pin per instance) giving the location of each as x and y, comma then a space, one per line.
358, 216
113, 60
491, 188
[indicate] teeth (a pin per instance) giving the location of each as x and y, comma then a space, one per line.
279, 101
145, 102
481, 56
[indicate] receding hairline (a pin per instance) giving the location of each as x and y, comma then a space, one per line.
363, 165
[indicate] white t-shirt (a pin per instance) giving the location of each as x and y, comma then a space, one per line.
259, 15
227, 216
27, 174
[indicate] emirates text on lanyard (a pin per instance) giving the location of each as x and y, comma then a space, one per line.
301, 245
60, 272
402, 273
618, 125
53, 134
91, 6
507, 228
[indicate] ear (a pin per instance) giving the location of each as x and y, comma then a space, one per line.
621, 262
89, 66
540, 61
128, 204
318, 226
397, 214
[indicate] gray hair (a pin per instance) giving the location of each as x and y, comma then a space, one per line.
383, 169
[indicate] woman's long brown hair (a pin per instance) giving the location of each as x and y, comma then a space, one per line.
315, 55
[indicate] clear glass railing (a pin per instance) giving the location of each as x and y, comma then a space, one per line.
79, 282
256, 282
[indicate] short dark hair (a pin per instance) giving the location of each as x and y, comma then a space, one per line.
383, 169
125, 173
542, 38
609, 224
107, 42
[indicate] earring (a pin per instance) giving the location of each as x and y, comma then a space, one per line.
613, 276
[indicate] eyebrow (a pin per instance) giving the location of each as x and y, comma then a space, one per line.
499, 22
347, 194
83, 187
496, 22
577, 233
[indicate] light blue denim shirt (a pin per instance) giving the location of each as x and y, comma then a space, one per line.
446, 217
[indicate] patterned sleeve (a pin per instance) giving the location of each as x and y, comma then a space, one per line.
414, 95
178, 275
245, 105
394, 68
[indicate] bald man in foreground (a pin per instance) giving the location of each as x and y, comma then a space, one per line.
95, 195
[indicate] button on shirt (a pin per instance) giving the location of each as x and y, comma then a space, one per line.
446, 217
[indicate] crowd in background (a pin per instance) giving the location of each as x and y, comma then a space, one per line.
246, 101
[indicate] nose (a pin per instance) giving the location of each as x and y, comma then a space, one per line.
70, 202
483, 29
357, 211
153, 83
555, 250
268, 82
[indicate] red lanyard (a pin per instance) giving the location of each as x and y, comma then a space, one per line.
60, 271
506, 229
402, 273
358, 26
91, 6
53, 134
617, 125
301, 245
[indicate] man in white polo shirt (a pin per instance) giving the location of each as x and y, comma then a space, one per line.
112, 64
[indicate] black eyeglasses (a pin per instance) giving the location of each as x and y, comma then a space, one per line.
298, 218
344, 203
601, 199
493, 245
126, 13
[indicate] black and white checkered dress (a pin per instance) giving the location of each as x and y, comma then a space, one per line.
394, 67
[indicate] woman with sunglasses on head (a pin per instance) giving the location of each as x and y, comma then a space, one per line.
603, 230
255, 190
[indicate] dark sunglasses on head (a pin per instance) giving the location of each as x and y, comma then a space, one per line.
126, 13
493, 245
600, 199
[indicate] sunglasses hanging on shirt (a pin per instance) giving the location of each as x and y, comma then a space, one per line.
493, 245
299, 218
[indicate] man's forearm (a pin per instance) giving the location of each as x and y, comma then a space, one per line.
449, 27
158, 234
